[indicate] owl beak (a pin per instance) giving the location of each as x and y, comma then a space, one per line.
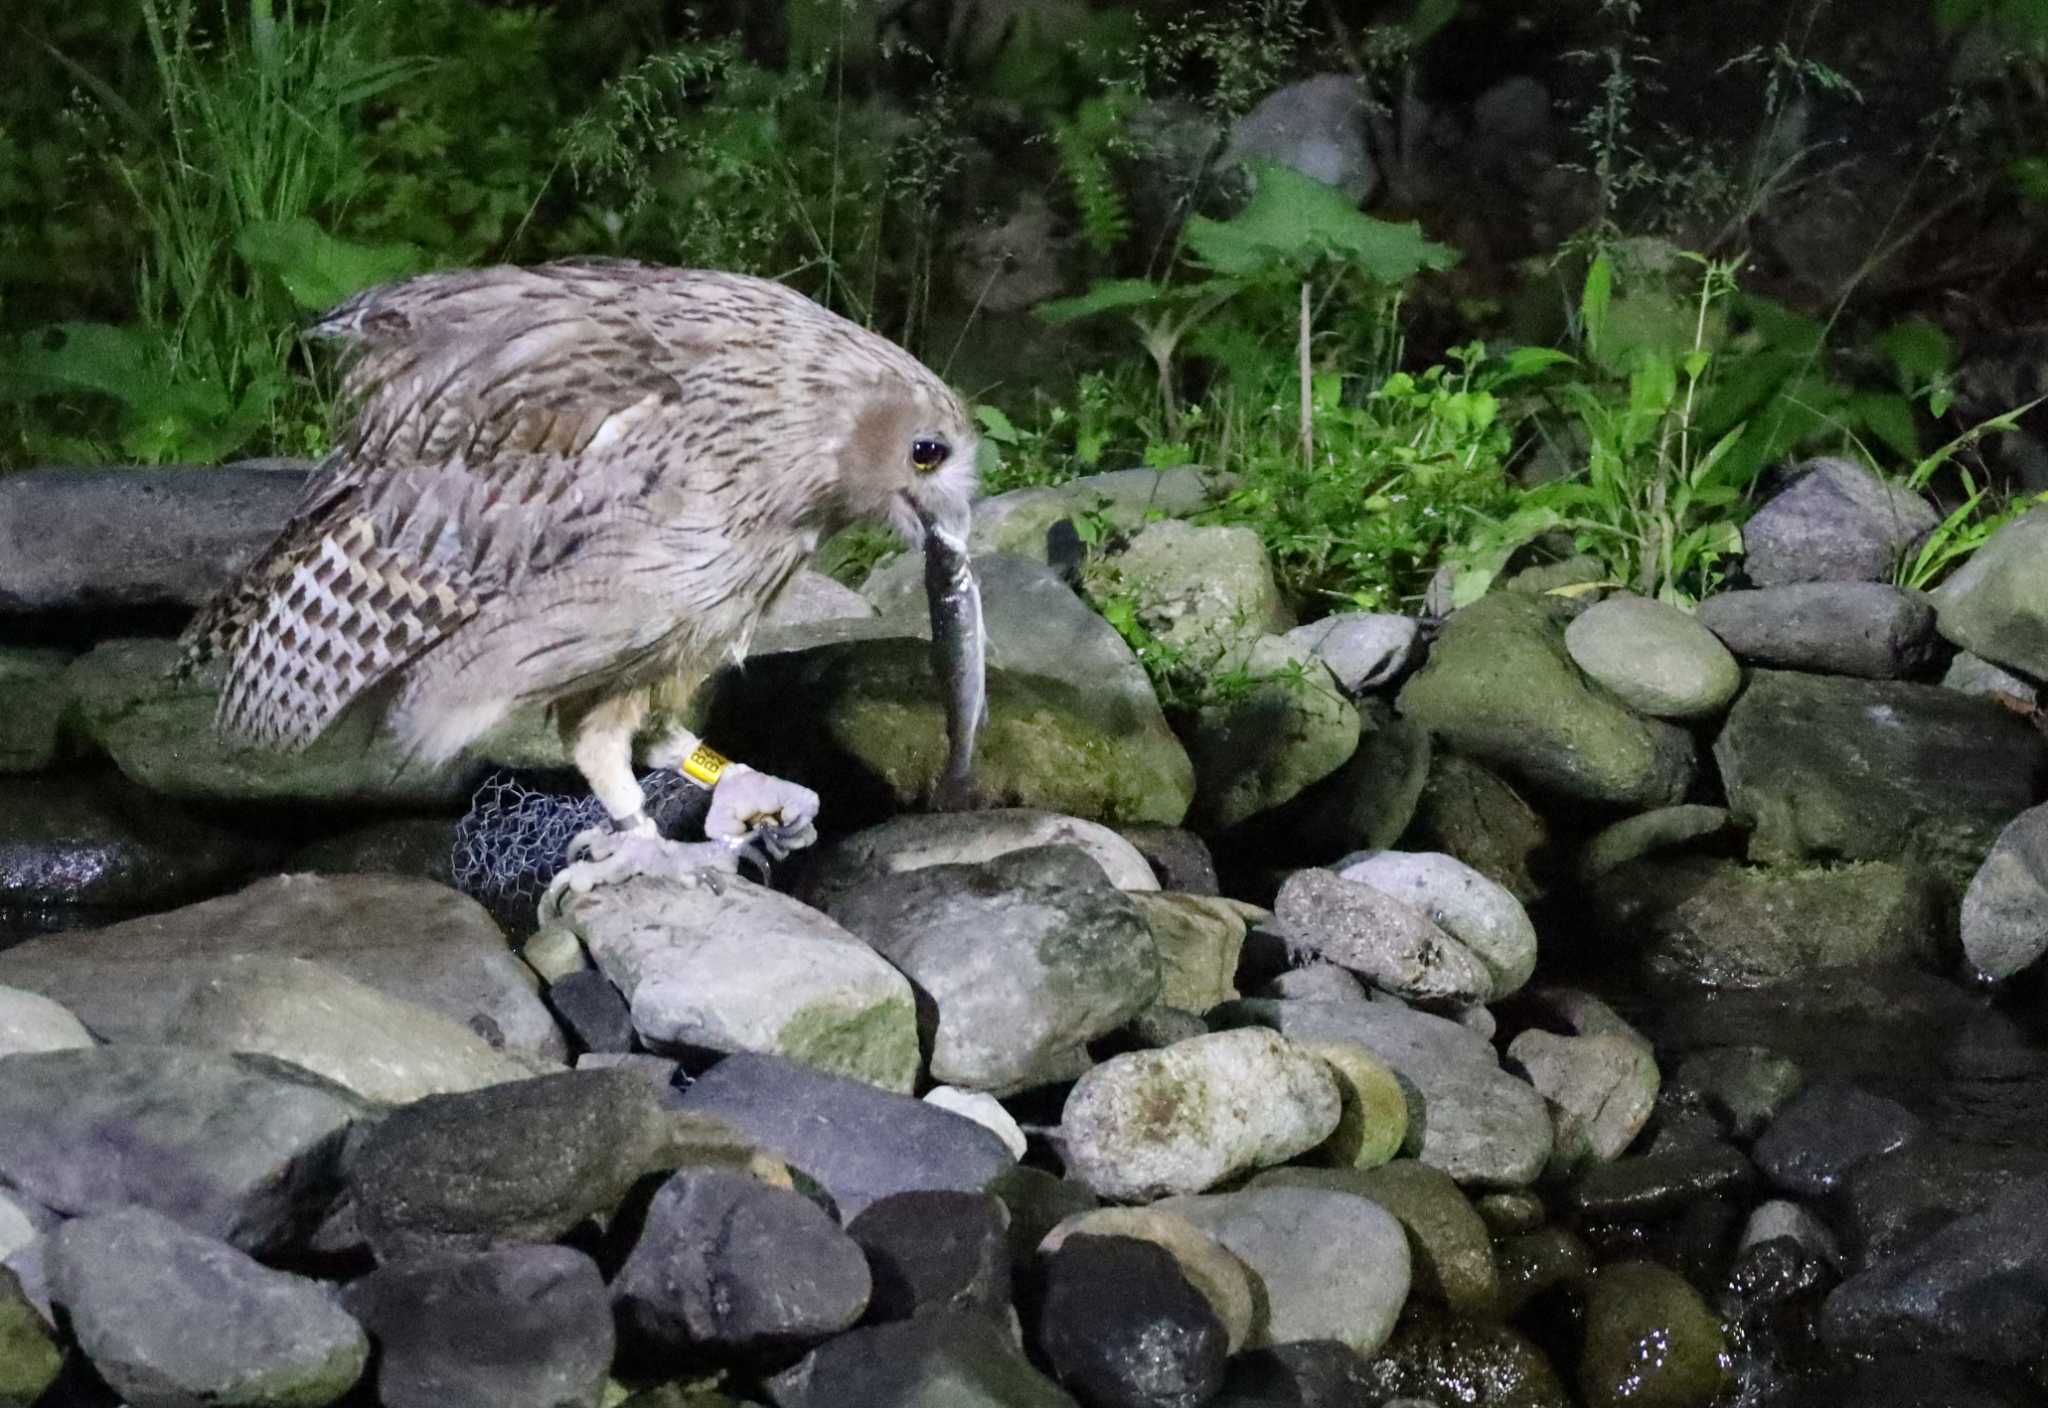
959, 647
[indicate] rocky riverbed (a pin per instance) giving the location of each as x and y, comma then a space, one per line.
1573, 1001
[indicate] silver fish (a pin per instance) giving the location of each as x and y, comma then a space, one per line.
959, 655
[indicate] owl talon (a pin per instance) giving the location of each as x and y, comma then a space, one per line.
608, 857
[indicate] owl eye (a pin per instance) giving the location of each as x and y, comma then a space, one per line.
927, 454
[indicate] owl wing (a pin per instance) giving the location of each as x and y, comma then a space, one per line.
500, 419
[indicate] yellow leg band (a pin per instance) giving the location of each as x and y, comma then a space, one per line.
705, 766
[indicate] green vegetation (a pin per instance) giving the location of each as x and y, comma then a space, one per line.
216, 169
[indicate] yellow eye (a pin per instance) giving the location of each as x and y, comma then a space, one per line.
927, 454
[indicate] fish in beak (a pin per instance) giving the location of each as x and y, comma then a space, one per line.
959, 651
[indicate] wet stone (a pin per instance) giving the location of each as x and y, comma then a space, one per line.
1121, 1326
1650, 1341
1223, 1281
961, 1361
859, 1142
1891, 1204
1820, 1138
726, 1264
516, 1327
1304, 1374
1677, 1169
592, 1011
1449, 1250
1742, 1088
1438, 1357
935, 1250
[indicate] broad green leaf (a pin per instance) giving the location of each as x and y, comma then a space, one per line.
1888, 416
1529, 361
319, 270
1595, 299
1103, 296
1293, 220
996, 426
97, 357
1918, 349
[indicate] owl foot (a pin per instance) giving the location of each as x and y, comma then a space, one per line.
605, 856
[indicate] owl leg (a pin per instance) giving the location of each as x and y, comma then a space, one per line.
747, 807
628, 845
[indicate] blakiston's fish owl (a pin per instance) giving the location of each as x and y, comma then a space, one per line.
581, 484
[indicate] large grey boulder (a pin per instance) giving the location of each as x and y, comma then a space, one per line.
1871, 629
1018, 521
98, 842
1208, 592
1260, 747
412, 940
743, 968
1655, 658
916, 840
2005, 908
1837, 522
1317, 126
1024, 959
169, 1316
1828, 768
1996, 604
237, 1147
118, 539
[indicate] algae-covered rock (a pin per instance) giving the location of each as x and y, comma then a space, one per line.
1261, 744
1501, 687
1651, 1342
31, 707
1073, 725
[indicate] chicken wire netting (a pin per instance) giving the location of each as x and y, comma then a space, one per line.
516, 835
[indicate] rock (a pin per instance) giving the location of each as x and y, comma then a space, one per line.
31, 1022
985, 1110
315, 1017
1119, 1324
810, 597
1185, 1118
1719, 923
170, 1316
1890, 1204
1837, 522
1317, 982
1025, 959
1179, 859
913, 842
1839, 769
30, 1356
1261, 747
859, 1142
107, 540
743, 968
1017, 522
1968, 674
960, 1361
1993, 605
1317, 126
1038, 1202
1306, 1374
1977, 1284
1681, 1167
1601, 1089
411, 940
1449, 1251
1870, 629
1934, 1380
1223, 1281
1500, 687
1465, 904
593, 1011
1645, 834
1363, 650
1650, 1340
1467, 812
21, 1222
1511, 1211
419, 846
1742, 1088
1386, 940
1365, 805
523, 1162
513, 1327
553, 953
158, 730
1779, 1218
2005, 908
1373, 1124
1827, 1130
1334, 1265
1436, 1357
726, 1265
31, 707
1208, 592
1656, 659
1198, 940
1476, 1122
934, 1250
99, 842
1073, 726
1537, 1260
241, 1148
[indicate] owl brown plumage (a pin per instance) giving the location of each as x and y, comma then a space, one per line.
569, 484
